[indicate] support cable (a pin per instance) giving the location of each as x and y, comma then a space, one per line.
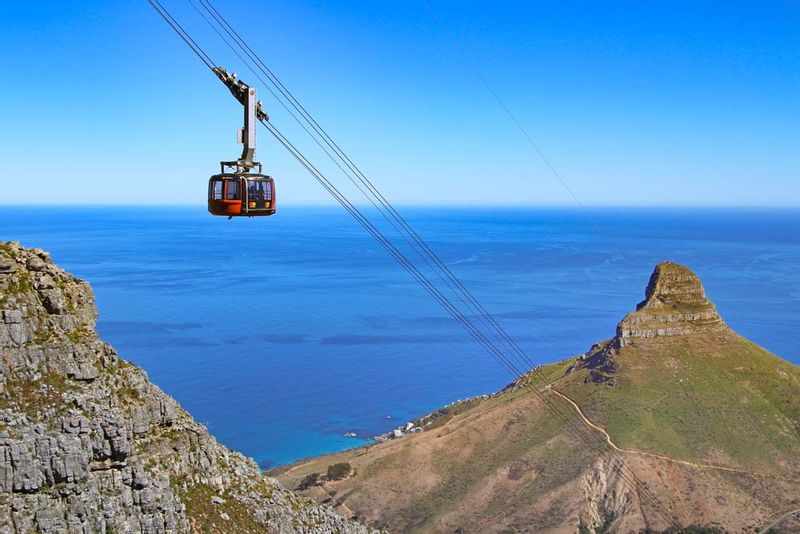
422, 248
405, 262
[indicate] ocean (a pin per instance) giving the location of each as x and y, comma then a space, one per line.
284, 333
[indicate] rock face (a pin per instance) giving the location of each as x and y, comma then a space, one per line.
675, 304
606, 493
89, 445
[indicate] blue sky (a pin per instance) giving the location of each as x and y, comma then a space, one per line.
635, 103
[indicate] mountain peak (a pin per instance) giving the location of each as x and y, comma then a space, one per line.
675, 304
675, 285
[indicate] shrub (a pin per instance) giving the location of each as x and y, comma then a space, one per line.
308, 481
339, 471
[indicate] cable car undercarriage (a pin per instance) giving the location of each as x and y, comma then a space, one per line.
239, 192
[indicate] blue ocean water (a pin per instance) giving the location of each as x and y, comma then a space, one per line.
283, 334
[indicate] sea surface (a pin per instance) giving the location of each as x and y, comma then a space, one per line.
284, 333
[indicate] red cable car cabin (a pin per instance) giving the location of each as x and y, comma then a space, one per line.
241, 195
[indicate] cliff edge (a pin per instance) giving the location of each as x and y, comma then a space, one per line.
675, 304
89, 445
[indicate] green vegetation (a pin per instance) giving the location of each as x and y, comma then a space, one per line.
679, 397
34, 397
79, 334
20, 283
554, 371
207, 517
608, 521
126, 393
129, 395
6, 247
339, 471
42, 336
310, 480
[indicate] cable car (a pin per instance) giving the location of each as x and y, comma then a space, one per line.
240, 192
241, 195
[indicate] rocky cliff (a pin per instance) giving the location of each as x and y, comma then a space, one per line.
675, 304
89, 445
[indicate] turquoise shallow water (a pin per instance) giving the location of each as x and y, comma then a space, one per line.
283, 334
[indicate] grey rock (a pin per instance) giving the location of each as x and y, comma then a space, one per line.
81, 371
12, 316
36, 264
76, 425
54, 301
7, 266
102, 449
45, 282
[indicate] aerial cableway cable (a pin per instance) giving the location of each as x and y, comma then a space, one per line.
352, 209
375, 197
337, 157
621, 468
381, 239
443, 271
389, 213
373, 194
178, 29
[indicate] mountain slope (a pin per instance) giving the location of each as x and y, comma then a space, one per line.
705, 419
88, 445
690, 387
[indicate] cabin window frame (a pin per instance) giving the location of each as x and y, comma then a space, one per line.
237, 186
213, 193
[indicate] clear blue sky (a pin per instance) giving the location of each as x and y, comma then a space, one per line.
635, 103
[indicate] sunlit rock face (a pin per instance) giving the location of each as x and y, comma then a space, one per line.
675, 304
89, 445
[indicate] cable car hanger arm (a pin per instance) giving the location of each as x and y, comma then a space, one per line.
239, 90
253, 112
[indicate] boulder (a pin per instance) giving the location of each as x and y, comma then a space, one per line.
36, 264
7, 266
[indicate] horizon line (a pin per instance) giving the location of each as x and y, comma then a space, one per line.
417, 205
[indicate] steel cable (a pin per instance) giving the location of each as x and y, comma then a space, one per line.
421, 247
407, 264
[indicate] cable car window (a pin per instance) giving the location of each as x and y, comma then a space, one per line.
260, 190
232, 191
216, 190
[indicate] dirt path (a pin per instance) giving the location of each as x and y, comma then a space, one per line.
781, 518
660, 457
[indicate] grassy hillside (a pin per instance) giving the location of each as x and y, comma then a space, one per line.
707, 421
712, 398
505, 453
506, 464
